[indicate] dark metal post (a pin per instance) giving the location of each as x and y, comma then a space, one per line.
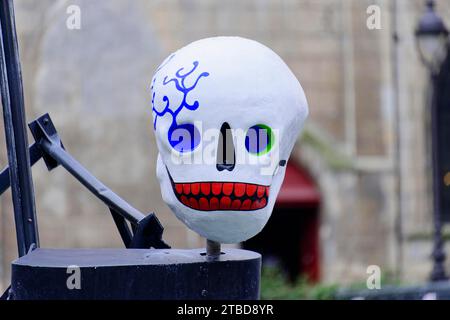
212, 250
438, 272
15, 132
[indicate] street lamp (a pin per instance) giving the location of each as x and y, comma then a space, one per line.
432, 38
433, 44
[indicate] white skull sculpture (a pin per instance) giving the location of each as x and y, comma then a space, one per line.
244, 90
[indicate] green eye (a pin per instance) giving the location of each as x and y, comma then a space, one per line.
259, 139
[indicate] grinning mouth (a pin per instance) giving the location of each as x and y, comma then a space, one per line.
211, 196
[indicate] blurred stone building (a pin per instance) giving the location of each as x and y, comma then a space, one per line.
365, 146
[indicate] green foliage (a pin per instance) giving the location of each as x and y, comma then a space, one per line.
275, 286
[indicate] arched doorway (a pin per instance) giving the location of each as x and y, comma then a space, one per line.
291, 237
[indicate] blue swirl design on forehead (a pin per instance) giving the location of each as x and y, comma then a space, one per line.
180, 85
179, 81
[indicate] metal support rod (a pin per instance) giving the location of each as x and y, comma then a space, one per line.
102, 192
147, 230
35, 156
438, 272
15, 132
212, 250
122, 227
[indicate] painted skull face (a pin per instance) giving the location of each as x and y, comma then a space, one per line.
226, 113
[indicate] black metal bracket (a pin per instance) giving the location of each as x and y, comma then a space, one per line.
48, 146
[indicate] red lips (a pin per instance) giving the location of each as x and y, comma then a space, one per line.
210, 196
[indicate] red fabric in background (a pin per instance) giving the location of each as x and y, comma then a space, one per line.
297, 189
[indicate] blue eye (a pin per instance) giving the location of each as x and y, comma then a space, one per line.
259, 139
184, 137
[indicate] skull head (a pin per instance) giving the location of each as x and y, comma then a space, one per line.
226, 113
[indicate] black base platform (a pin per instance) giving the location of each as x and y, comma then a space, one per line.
136, 274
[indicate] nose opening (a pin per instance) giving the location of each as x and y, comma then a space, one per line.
226, 156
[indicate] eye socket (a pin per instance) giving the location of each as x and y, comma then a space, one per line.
184, 137
259, 139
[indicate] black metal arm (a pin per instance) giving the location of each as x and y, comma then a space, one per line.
35, 156
48, 145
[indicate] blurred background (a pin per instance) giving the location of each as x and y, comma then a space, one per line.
358, 185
